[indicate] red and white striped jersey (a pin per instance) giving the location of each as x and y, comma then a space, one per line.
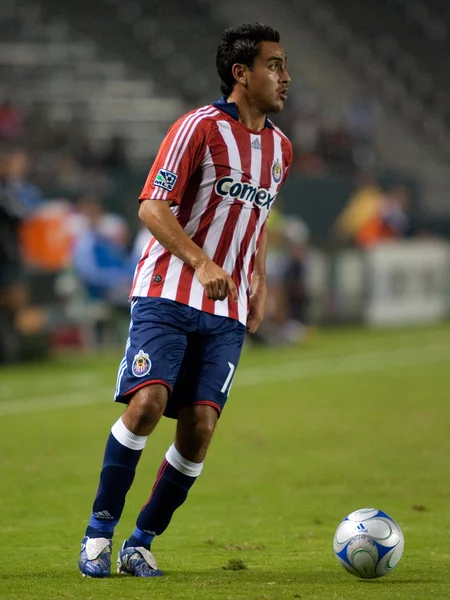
220, 179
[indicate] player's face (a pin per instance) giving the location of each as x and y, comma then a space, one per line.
268, 80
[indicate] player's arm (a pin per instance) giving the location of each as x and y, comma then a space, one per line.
164, 226
259, 287
165, 184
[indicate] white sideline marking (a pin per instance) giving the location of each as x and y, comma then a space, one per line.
41, 387
409, 356
352, 363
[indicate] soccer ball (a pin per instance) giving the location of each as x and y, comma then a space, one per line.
368, 543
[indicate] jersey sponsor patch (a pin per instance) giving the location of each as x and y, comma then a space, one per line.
141, 364
228, 187
165, 180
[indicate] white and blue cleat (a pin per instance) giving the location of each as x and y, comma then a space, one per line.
95, 557
139, 562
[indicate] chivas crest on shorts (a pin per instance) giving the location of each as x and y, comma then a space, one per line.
141, 364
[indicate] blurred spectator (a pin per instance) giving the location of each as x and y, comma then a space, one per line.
143, 236
12, 125
363, 205
361, 115
306, 134
100, 254
335, 138
295, 274
307, 123
336, 144
287, 296
102, 265
115, 158
29, 195
276, 308
371, 215
390, 222
13, 292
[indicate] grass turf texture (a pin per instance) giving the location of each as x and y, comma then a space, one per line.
351, 419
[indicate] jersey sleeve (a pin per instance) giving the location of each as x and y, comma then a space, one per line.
287, 158
180, 154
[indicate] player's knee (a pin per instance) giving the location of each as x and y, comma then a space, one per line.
202, 423
148, 404
195, 428
203, 431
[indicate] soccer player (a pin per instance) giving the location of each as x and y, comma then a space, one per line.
198, 286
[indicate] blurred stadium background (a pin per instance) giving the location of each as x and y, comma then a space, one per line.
87, 91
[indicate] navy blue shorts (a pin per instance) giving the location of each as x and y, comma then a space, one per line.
193, 353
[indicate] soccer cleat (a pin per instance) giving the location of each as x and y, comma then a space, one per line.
139, 562
95, 557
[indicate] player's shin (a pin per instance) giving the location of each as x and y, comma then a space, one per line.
122, 454
174, 480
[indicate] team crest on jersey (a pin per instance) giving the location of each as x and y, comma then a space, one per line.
165, 180
277, 171
141, 364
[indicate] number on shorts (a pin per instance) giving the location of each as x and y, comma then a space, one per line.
229, 380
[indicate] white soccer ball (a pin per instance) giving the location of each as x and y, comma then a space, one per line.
368, 543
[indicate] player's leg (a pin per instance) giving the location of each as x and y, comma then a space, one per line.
123, 450
199, 396
143, 382
175, 477
195, 428
122, 453
181, 466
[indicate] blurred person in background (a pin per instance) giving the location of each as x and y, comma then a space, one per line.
141, 240
115, 157
363, 205
12, 122
390, 222
29, 195
306, 134
13, 290
395, 209
336, 144
276, 315
287, 295
100, 256
198, 287
102, 265
361, 115
296, 275
373, 216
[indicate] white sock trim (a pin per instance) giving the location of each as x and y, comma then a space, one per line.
181, 464
126, 438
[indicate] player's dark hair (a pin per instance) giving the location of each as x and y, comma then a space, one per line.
240, 45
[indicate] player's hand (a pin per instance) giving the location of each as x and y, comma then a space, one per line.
256, 309
216, 282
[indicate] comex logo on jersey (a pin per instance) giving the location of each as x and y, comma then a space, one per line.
228, 187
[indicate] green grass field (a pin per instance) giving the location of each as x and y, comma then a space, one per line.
351, 419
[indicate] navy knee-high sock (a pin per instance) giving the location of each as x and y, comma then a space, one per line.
122, 454
175, 478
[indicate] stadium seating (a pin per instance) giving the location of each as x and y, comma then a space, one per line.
135, 64
394, 54
53, 68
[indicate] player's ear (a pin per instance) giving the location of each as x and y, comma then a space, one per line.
240, 73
